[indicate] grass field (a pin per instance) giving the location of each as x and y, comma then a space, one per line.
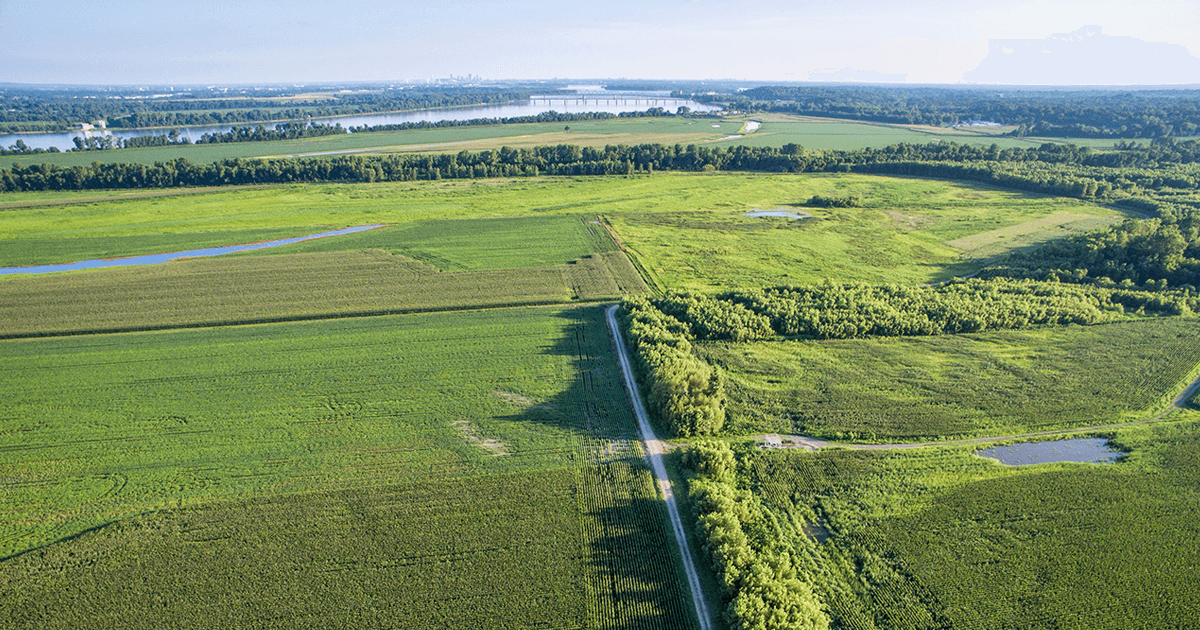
477, 244
352, 460
941, 538
906, 231
997, 383
688, 230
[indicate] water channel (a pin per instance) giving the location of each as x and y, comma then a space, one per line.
154, 259
583, 101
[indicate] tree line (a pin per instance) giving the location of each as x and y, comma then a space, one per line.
833, 310
1154, 254
683, 392
764, 584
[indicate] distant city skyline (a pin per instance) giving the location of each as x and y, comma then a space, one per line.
218, 41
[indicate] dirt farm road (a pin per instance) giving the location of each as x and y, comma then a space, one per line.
654, 453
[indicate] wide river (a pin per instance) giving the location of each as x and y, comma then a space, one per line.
585, 101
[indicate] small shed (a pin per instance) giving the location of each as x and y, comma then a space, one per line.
772, 441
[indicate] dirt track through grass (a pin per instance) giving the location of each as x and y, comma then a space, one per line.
654, 453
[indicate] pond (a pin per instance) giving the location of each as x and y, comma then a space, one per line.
1082, 450
779, 212
154, 259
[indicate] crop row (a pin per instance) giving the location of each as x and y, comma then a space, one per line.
509, 550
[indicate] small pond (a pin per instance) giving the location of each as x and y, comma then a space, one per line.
154, 259
779, 212
1083, 450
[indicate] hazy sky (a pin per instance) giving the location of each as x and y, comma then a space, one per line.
219, 41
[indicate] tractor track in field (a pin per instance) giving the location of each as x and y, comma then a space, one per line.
654, 453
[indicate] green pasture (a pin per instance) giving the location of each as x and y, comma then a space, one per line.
942, 538
903, 232
924, 388
687, 230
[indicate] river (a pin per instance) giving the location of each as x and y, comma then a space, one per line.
585, 100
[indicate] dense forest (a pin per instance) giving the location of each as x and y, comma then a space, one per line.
1048, 113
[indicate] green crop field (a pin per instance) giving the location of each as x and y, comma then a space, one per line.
996, 383
566, 548
942, 538
476, 244
475, 447
233, 290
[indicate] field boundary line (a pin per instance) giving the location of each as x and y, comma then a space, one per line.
288, 319
654, 453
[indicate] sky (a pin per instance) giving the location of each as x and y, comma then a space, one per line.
302, 41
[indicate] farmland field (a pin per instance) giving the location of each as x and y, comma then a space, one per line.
937, 538
307, 446
230, 441
255, 289
996, 383
838, 134
565, 548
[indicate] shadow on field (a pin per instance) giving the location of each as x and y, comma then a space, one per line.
636, 579
638, 582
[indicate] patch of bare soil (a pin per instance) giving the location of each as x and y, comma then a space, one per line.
910, 221
493, 446
519, 400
